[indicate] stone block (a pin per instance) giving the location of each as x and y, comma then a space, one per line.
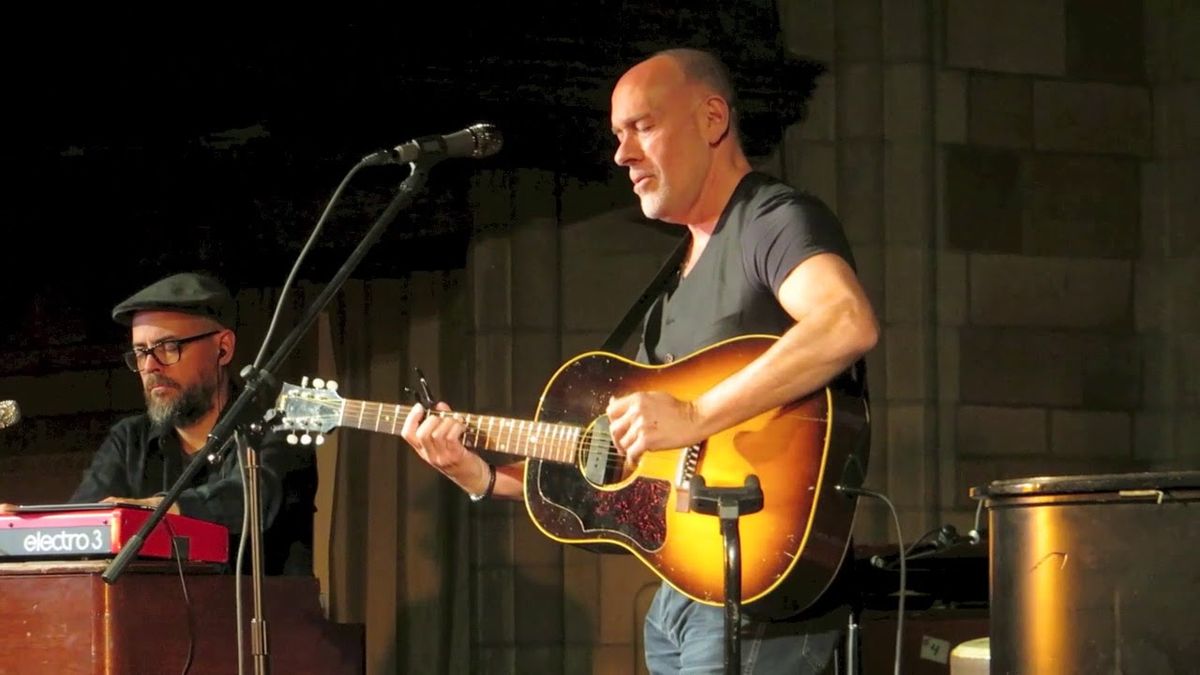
1182, 283
1020, 367
948, 364
951, 287
1000, 110
1150, 296
1112, 371
858, 31
860, 190
908, 192
906, 101
1177, 120
1085, 206
1182, 236
1050, 292
951, 112
907, 362
905, 30
812, 167
820, 120
1021, 36
908, 281
1172, 40
989, 431
1090, 433
871, 274
1152, 436
1092, 117
808, 28
910, 456
1105, 44
983, 199
859, 101
1187, 375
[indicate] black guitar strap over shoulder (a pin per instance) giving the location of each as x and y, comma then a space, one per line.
631, 319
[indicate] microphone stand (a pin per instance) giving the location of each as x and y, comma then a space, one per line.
249, 411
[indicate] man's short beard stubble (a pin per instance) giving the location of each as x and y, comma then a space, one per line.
185, 409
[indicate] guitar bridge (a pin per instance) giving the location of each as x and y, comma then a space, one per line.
689, 460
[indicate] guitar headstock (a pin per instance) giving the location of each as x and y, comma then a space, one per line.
308, 409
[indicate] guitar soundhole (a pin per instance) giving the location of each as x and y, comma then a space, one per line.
599, 460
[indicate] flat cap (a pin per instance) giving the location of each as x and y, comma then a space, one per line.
189, 292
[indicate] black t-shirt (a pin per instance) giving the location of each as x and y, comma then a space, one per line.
766, 230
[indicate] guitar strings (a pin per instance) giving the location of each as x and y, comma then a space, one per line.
585, 436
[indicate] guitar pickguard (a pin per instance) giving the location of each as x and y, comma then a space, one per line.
573, 509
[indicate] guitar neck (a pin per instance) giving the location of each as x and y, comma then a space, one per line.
523, 438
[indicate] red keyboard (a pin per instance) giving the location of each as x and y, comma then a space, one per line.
75, 531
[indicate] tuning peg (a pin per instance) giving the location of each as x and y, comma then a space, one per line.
320, 439
318, 383
292, 439
331, 385
304, 382
306, 439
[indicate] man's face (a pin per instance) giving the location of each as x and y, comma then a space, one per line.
656, 118
180, 393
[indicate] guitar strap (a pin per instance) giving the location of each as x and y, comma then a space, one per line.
633, 317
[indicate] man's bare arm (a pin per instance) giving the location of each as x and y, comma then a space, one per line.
835, 326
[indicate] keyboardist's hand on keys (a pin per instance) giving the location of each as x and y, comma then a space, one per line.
151, 502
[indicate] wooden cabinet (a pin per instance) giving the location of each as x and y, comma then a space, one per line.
61, 617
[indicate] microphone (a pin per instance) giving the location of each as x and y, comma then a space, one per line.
476, 141
10, 413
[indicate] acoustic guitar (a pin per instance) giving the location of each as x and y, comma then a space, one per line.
577, 492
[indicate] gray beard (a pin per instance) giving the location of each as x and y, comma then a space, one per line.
185, 410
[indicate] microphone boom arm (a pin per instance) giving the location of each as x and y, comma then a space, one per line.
261, 388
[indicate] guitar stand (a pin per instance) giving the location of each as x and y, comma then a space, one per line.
730, 504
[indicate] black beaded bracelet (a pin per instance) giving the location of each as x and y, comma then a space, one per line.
491, 486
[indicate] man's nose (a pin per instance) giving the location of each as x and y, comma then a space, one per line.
628, 151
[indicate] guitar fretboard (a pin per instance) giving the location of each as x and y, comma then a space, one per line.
540, 440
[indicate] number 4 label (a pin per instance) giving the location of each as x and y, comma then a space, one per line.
933, 649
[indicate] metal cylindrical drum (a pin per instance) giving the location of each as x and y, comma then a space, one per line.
1094, 574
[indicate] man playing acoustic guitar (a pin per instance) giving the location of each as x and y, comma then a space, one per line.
763, 259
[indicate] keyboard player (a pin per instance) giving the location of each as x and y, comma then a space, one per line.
183, 344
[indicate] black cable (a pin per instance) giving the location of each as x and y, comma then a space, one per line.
903, 567
187, 600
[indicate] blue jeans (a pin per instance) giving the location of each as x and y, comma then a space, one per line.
687, 637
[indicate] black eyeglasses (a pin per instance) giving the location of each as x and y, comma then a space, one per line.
165, 352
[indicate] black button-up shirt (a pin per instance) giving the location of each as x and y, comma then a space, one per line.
139, 460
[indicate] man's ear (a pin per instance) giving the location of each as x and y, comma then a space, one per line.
226, 344
717, 119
